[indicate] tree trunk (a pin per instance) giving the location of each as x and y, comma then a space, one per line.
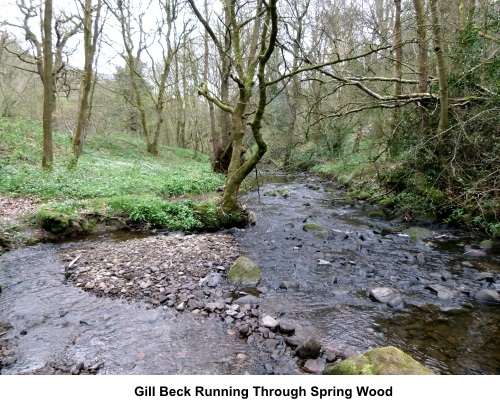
423, 60
3, 39
238, 170
441, 66
214, 136
90, 32
224, 152
293, 95
398, 45
48, 88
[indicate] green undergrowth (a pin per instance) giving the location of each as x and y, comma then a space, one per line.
114, 177
409, 188
111, 166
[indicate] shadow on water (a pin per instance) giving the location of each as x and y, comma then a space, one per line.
336, 262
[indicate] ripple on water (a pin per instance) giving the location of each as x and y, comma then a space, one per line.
64, 322
452, 336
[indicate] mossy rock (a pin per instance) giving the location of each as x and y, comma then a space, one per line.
376, 214
212, 217
465, 218
381, 361
53, 221
419, 233
285, 193
359, 194
244, 272
486, 244
347, 201
5, 241
387, 202
271, 193
311, 226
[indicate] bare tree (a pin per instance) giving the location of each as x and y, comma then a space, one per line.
225, 49
169, 40
441, 65
423, 59
48, 88
91, 29
64, 27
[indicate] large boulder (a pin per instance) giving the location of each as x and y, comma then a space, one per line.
381, 361
244, 273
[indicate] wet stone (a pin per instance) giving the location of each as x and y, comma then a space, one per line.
442, 292
383, 294
314, 366
269, 322
244, 330
270, 344
485, 276
309, 349
286, 328
488, 297
474, 253
331, 354
289, 285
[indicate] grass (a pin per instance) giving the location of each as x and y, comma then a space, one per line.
115, 176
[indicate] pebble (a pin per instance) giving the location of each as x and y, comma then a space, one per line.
269, 322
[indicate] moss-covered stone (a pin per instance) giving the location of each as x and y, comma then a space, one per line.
311, 226
419, 233
53, 221
465, 218
376, 214
427, 190
244, 272
285, 193
323, 234
381, 361
5, 241
359, 194
387, 202
212, 217
486, 244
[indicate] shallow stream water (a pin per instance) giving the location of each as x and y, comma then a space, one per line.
330, 272
451, 336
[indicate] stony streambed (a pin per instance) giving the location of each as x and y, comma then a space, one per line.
161, 304
170, 277
359, 281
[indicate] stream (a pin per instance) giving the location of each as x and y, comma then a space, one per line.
318, 278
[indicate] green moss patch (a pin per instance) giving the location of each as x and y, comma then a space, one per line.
381, 361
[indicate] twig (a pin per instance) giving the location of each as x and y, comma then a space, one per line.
257, 180
72, 264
